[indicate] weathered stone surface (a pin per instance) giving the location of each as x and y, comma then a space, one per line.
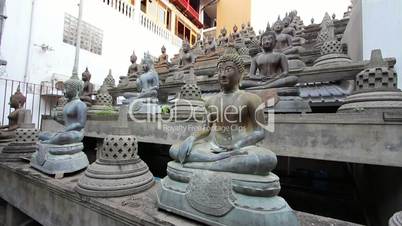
117, 172
23, 146
54, 202
59, 159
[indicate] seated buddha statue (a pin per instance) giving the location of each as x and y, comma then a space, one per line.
236, 39
88, 89
210, 48
250, 31
147, 82
284, 42
74, 115
223, 38
183, 72
131, 73
163, 58
227, 144
16, 118
272, 67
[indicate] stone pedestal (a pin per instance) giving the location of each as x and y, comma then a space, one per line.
59, 159
22, 147
6, 137
118, 171
145, 106
219, 198
396, 219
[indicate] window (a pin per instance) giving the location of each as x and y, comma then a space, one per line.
162, 15
91, 36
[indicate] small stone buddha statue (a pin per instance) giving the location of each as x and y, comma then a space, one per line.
272, 67
88, 89
228, 149
133, 68
74, 115
163, 58
16, 118
223, 38
210, 48
198, 48
219, 176
243, 31
183, 72
250, 31
147, 83
284, 42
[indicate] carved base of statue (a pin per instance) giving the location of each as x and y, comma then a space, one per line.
118, 171
290, 104
221, 198
206, 65
59, 159
22, 147
144, 106
6, 137
373, 101
396, 219
296, 65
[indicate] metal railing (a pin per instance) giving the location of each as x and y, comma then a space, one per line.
40, 98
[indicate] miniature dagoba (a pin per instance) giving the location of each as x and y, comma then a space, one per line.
162, 64
118, 170
331, 50
376, 88
184, 71
219, 176
103, 100
396, 219
284, 44
61, 152
23, 145
109, 81
323, 34
189, 105
16, 119
88, 89
132, 72
146, 101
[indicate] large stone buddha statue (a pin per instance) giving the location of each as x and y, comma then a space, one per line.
61, 152
220, 176
272, 66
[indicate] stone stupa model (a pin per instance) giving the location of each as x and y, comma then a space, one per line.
118, 171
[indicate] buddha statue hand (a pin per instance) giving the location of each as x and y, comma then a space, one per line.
183, 149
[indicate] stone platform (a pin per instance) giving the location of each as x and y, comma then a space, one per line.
54, 202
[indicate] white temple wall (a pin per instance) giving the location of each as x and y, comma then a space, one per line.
121, 35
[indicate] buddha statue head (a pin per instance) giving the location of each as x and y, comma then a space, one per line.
185, 46
73, 87
17, 100
230, 70
224, 32
286, 21
163, 49
243, 26
86, 75
235, 28
278, 25
268, 40
147, 62
133, 58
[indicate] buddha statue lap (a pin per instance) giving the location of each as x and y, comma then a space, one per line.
61, 152
223, 161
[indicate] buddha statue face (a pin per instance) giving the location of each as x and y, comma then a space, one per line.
230, 69
223, 32
278, 26
243, 26
163, 49
235, 29
145, 67
286, 21
86, 76
268, 41
186, 47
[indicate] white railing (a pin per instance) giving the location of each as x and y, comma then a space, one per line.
122, 7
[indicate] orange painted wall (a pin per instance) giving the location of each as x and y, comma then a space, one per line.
231, 12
